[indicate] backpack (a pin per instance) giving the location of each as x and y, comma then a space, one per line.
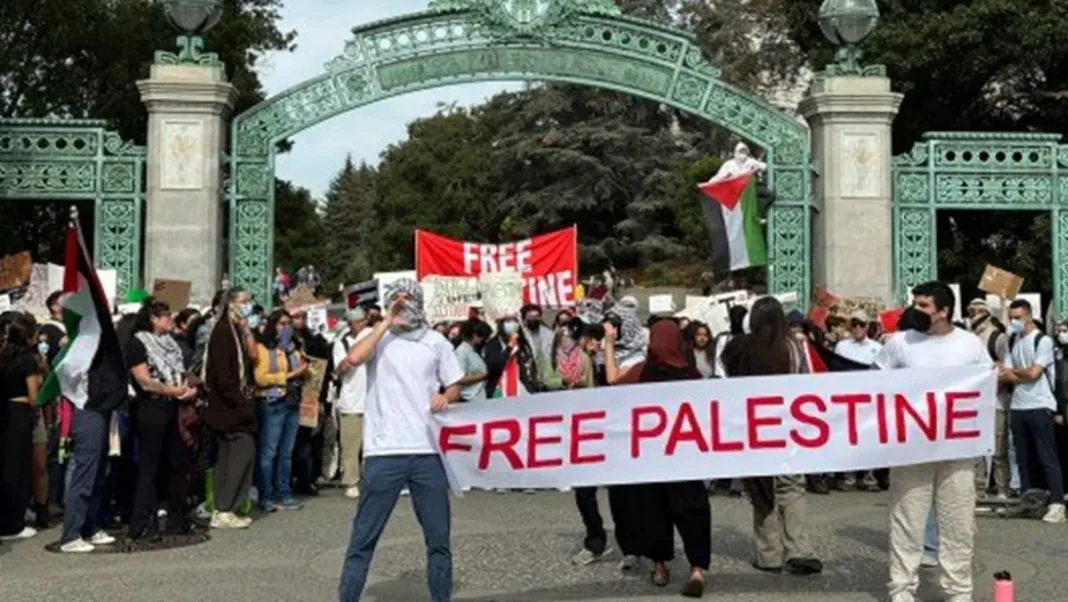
992, 346
1038, 339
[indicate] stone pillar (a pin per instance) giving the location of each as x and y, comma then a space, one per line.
853, 234
187, 110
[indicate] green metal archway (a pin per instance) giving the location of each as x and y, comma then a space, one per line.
458, 41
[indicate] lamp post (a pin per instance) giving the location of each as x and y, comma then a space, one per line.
193, 18
846, 23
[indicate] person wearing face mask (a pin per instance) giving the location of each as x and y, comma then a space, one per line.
455, 335
231, 411
1033, 409
990, 331
933, 342
412, 372
510, 340
469, 353
537, 334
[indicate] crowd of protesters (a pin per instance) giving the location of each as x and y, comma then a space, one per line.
239, 411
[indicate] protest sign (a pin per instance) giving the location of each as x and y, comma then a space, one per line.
548, 263
15, 270
661, 304
36, 295
317, 319
719, 429
502, 294
5, 302
448, 298
175, 293
1000, 283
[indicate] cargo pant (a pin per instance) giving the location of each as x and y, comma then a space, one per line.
949, 486
779, 532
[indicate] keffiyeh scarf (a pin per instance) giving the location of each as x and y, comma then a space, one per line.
631, 342
165, 362
415, 324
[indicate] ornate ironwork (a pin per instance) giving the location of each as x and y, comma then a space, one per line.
968, 170
577, 41
847, 62
46, 159
190, 52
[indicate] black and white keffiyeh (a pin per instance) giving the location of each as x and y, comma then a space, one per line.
165, 362
414, 316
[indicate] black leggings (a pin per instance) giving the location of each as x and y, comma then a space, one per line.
161, 452
16, 470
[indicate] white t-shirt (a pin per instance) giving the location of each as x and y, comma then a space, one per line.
352, 397
402, 377
913, 349
863, 352
1037, 395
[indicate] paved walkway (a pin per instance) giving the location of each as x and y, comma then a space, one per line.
512, 548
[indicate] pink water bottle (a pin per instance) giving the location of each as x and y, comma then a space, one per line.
1003, 591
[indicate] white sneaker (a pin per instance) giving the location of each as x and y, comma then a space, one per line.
101, 538
630, 563
229, 520
1055, 514
352, 492
930, 559
25, 533
405, 492
78, 546
202, 513
585, 557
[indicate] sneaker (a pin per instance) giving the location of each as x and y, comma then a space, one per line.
405, 492
1055, 514
290, 505
268, 508
202, 512
229, 520
101, 538
25, 533
161, 513
630, 563
930, 559
78, 546
585, 557
352, 493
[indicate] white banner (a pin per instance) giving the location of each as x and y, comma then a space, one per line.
718, 429
502, 294
449, 298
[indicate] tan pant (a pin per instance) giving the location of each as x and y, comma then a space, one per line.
1002, 473
780, 534
351, 443
950, 486
329, 424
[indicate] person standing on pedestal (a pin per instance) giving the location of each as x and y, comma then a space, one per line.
408, 366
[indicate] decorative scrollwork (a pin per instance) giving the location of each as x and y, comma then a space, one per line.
915, 262
190, 52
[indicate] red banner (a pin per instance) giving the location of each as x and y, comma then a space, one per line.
548, 263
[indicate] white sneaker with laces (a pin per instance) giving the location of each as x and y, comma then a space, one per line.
630, 563
352, 492
25, 533
78, 546
101, 538
585, 557
1055, 514
229, 520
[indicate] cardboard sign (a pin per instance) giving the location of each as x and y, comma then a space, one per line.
661, 304
502, 293
1000, 283
15, 270
871, 306
33, 301
317, 319
449, 298
175, 293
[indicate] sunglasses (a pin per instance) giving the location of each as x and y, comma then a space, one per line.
859, 324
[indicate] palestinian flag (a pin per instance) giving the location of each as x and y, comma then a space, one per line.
510, 385
821, 359
735, 228
89, 371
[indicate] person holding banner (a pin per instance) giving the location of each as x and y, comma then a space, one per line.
683, 505
779, 528
408, 367
934, 342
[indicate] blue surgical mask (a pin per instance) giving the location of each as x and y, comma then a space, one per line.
42, 348
253, 321
246, 310
285, 335
1016, 326
511, 328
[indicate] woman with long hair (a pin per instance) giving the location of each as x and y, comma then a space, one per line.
682, 505
778, 502
703, 354
277, 363
509, 343
157, 372
20, 380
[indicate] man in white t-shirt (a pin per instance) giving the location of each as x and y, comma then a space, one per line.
858, 347
411, 372
351, 383
1033, 409
934, 343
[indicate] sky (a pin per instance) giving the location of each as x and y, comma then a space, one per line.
323, 27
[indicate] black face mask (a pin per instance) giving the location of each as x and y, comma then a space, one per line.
921, 321
533, 324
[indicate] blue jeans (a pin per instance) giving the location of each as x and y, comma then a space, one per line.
930, 534
86, 475
278, 433
380, 486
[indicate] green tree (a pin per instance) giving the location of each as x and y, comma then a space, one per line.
298, 231
350, 220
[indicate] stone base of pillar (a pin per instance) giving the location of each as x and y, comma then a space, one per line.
187, 106
853, 248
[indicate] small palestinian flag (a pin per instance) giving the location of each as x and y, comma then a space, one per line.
89, 371
821, 359
510, 385
737, 242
